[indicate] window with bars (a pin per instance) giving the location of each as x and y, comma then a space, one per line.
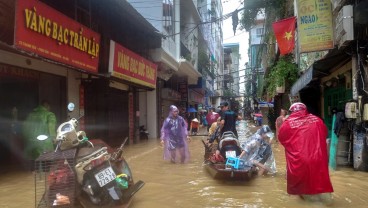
83, 12
168, 16
259, 32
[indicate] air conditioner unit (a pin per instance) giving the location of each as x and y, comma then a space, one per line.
344, 26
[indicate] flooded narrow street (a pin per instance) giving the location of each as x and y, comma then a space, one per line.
189, 185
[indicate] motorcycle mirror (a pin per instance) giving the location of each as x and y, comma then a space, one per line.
42, 137
71, 107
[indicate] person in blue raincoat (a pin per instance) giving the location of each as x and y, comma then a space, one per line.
174, 137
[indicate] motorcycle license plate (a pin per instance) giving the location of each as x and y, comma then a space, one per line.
230, 154
105, 176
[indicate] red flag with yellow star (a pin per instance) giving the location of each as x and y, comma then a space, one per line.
284, 33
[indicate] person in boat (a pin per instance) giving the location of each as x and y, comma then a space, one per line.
213, 132
214, 136
228, 119
174, 137
257, 151
226, 124
304, 137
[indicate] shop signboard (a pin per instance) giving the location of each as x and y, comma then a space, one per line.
265, 104
44, 31
315, 28
183, 90
127, 65
195, 97
13, 71
131, 117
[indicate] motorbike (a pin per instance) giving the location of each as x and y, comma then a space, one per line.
143, 133
229, 145
85, 171
227, 166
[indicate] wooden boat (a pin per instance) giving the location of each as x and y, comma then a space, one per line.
220, 172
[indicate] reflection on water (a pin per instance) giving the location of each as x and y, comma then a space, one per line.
189, 185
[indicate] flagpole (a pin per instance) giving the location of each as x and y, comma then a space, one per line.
297, 49
297, 36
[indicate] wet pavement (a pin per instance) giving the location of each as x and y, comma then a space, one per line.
189, 185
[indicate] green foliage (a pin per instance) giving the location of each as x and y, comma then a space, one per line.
285, 72
188, 57
253, 7
228, 93
248, 18
203, 61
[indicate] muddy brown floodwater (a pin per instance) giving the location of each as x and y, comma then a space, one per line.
189, 185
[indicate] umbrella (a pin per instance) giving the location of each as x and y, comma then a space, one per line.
191, 110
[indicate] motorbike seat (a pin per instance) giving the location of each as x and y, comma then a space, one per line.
87, 152
229, 141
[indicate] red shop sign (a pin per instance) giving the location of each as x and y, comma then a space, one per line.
51, 34
127, 65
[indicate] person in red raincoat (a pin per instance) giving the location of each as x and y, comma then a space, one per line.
304, 137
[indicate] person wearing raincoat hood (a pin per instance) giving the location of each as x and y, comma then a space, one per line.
41, 121
257, 151
174, 136
304, 137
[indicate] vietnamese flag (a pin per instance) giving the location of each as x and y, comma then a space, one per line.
284, 33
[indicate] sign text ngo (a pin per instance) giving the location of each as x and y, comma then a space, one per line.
48, 33
315, 25
127, 65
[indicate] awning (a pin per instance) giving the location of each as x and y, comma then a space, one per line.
186, 69
302, 81
320, 69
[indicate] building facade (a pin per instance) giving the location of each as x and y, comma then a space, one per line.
74, 52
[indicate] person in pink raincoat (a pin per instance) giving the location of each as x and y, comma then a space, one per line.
304, 137
174, 137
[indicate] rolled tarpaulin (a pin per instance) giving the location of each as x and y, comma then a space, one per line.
333, 145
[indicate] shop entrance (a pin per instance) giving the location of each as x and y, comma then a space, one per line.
106, 112
17, 98
22, 90
335, 98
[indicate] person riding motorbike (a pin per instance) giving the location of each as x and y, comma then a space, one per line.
257, 151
